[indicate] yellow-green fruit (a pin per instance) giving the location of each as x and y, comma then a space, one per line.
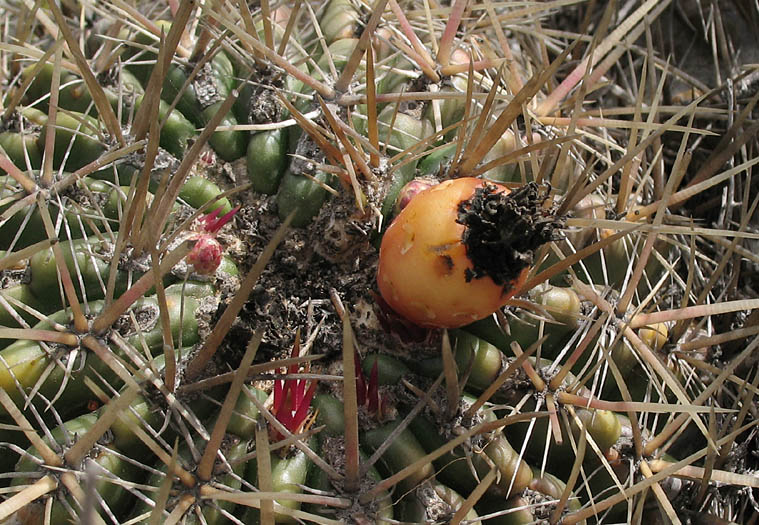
514, 511
449, 111
339, 20
590, 207
655, 335
505, 172
603, 425
22, 149
22, 293
562, 314
404, 450
22, 362
339, 52
102, 458
516, 474
76, 138
288, 475
267, 160
477, 358
302, 196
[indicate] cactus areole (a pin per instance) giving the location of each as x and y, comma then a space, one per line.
460, 250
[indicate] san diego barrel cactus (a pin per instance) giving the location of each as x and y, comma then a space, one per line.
242, 283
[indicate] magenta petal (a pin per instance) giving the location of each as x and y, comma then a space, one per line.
293, 369
285, 417
278, 396
221, 221
210, 218
302, 412
299, 390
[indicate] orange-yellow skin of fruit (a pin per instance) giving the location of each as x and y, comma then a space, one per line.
423, 262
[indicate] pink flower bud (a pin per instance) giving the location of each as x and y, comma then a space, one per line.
411, 190
205, 256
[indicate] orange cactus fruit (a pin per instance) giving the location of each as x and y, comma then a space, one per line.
460, 250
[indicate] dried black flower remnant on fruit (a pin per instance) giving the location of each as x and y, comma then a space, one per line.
503, 230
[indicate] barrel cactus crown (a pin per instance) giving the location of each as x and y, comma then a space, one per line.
390, 262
